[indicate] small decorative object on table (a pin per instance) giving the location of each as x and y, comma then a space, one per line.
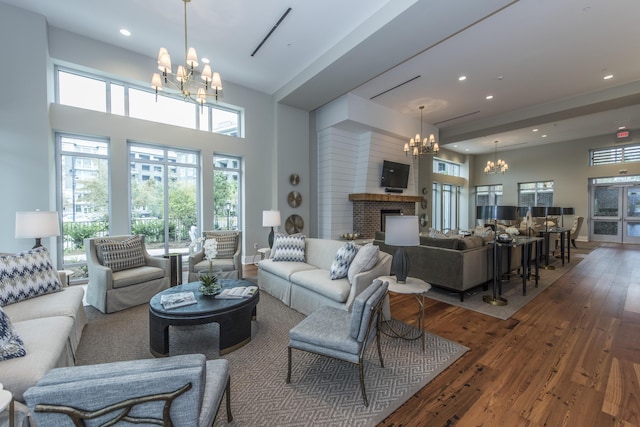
209, 280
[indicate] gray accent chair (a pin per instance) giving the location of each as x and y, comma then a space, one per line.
111, 291
184, 390
230, 264
340, 334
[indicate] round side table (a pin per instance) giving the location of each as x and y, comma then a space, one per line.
416, 287
6, 399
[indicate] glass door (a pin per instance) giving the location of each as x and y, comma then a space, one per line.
615, 213
631, 221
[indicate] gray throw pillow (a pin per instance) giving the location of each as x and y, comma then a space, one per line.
365, 260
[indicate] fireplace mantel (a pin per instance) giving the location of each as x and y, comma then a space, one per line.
373, 197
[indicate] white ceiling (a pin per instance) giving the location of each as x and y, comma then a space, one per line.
542, 60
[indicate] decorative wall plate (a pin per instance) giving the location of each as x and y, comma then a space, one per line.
294, 224
423, 220
423, 204
294, 179
424, 190
294, 199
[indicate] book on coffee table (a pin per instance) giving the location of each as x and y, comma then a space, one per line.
237, 292
178, 299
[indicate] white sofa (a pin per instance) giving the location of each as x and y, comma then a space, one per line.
50, 326
306, 286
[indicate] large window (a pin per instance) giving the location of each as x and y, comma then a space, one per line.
227, 174
609, 156
83, 178
164, 196
535, 194
445, 206
489, 195
102, 94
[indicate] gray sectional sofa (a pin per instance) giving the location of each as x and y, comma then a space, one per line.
457, 264
306, 286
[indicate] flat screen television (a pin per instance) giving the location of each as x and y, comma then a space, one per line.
394, 175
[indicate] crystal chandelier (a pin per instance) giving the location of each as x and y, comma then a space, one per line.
185, 80
418, 147
496, 166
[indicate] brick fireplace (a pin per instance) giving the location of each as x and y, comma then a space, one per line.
369, 210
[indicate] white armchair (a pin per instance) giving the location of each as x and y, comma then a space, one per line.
228, 258
122, 274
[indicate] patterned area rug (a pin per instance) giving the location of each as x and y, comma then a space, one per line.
322, 392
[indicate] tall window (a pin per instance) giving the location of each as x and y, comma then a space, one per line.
163, 196
106, 95
227, 174
489, 195
535, 193
83, 196
446, 206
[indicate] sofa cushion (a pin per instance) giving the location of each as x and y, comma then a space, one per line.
26, 275
133, 276
11, 346
318, 281
470, 242
46, 342
289, 248
285, 269
344, 257
67, 302
120, 255
365, 260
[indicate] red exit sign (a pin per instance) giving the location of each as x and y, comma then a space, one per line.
623, 135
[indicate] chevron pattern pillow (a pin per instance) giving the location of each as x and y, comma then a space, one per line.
11, 345
121, 255
26, 275
289, 248
342, 261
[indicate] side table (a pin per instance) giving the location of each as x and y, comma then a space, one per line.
416, 287
6, 399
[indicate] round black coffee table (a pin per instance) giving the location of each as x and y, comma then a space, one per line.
233, 315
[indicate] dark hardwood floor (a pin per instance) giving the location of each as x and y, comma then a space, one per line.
571, 357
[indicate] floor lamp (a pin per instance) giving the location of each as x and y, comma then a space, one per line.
36, 225
567, 211
401, 231
497, 213
271, 219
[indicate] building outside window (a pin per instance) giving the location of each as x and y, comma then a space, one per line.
227, 175
83, 196
445, 208
535, 194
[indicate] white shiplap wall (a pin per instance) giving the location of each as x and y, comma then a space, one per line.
351, 162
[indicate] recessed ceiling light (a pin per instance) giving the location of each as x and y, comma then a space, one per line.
621, 127
466, 149
455, 146
544, 136
125, 32
608, 77
535, 130
205, 60
489, 97
462, 78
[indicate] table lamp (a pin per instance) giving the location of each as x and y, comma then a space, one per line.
567, 211
271, 219
36, 225
401, 231
555, 211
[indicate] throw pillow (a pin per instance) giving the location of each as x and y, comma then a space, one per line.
365, 260
342, 261
121, 255
26, 275
289, 248
11, 345
227, 243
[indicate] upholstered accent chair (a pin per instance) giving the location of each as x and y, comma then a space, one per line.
575, 231
340, 334
122, 274
228, 259
184, 390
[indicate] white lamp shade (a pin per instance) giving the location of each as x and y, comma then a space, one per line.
270, 218
402, 230
31, 225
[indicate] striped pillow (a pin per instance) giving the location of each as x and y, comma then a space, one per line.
26, 275
289, 248
227, 243
121, 255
